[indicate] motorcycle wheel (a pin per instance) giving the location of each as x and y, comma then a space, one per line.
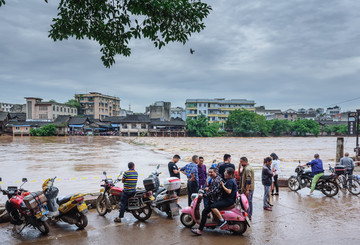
187, 220
342, 183
293, 183
43, 227
243, 228
329, 188
142, 214
82, 220
101, 205
354, 186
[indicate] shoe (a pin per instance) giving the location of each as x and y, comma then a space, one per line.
276, 194
117, 220
270, 205
268, 208
221, 223
273, 194
195, 231
310, 194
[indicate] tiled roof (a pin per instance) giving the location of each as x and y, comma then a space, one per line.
78, 120
173, 122
3, 116
135, 119
62, 119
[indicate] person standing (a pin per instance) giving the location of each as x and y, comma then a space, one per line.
317, 171
187, 170
266, 178
174, 170
129, 179
348, 163
247, 184
275, 167
220, 167
202, 176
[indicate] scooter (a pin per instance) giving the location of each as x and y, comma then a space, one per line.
326, 184
26, 208
110, 195
235, 216
71, 209
166, 199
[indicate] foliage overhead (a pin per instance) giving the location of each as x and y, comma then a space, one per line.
200, 127
113, 23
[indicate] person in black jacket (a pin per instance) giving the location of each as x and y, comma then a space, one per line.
266, 178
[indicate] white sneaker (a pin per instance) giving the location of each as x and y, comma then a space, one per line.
310, 194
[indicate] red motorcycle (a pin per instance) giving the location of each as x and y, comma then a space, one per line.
26, 208
110, 195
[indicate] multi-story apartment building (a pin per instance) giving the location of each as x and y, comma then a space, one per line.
217, 110
36, 109
98, 106
178, 112
5, 107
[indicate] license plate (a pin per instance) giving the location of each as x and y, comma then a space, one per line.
38, 215
82, 207
102, 190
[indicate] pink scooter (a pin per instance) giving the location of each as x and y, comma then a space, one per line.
235, 216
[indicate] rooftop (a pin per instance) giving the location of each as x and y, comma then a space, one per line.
221, 101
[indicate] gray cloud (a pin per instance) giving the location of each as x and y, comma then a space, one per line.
279, 53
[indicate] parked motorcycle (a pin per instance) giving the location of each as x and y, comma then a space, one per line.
326, 184
166, 199
71, 209
110, 195
26, 208
235, 216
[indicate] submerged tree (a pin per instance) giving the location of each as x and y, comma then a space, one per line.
113, 23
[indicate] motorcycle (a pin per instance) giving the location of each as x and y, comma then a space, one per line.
26, 208
110, 195
165, 197
326, 184
235, 216
71, 209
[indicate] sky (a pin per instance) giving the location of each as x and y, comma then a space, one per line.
282, 54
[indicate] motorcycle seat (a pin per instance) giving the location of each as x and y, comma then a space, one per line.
228, 208
62, 200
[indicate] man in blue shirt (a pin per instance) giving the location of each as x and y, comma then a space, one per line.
317, 171
189, 169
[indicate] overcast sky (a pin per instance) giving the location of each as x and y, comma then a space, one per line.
282, 54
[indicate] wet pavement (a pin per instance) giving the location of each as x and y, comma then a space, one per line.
296, 219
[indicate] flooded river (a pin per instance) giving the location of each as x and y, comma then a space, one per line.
78, 162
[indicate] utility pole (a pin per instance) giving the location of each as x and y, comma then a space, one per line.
357, 148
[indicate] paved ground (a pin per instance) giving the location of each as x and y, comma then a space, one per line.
295, 219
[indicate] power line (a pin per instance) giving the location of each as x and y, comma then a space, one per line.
344, 101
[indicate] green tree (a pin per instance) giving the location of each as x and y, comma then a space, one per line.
246, 123
280, 127
327, 129
339, 129
113, 23
200, 127
74, 103
47, 130
306, 126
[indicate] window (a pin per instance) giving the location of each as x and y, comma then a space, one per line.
143, 126
133, 125
26, 128
124, 125
42, 108
57, 108
53, 108
17, 128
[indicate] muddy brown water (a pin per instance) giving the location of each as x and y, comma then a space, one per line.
78, 163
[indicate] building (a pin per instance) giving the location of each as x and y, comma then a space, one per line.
6, 107
98, 106
36, 109
134, 125
172, 128
216, 110
4, 119
268, 113
333, 111
159, 110
18, 108
178, 112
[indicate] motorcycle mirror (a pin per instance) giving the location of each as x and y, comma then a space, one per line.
0, 179
104, 173
158, 166
24, 180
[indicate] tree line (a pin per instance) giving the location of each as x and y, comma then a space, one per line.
245, 124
